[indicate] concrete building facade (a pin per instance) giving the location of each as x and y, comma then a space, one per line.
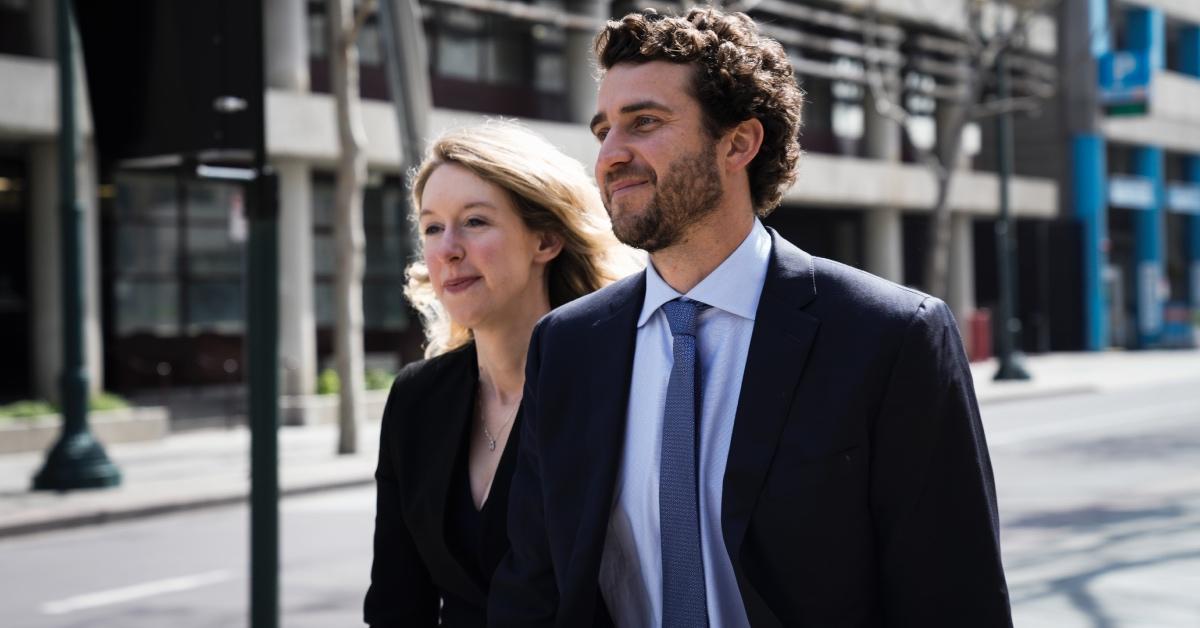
165, 249
1135, 173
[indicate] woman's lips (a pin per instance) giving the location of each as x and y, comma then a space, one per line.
455, 286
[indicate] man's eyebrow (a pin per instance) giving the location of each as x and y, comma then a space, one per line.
641, 105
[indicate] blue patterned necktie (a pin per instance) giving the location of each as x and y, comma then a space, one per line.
684, 602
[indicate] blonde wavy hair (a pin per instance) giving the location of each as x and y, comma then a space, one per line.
550, 191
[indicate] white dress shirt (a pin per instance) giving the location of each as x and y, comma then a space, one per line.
631, 565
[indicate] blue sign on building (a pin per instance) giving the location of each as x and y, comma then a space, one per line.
1124, 77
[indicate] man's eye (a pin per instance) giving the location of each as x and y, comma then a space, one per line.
644, 121
601, 134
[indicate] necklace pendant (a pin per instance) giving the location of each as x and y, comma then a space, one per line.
491, 445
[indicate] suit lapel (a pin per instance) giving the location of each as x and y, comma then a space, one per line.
779, 347
610, 347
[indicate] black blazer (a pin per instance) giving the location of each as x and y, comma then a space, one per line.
428, 411
858, 489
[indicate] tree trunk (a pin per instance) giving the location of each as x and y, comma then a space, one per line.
348, 223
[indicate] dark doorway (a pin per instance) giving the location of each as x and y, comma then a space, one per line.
14, 281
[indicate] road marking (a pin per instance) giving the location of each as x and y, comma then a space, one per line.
135, 592
1163, 415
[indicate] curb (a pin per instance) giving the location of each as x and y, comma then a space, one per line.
114, 515
993, 397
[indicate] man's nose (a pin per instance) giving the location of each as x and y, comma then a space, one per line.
614, 151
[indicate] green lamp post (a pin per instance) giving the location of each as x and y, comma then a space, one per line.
77, 460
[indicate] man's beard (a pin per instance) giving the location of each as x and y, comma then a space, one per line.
689, 190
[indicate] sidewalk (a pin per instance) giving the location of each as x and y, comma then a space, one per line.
211, 467
182, 471
1056, 374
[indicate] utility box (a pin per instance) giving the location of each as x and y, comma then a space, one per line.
979, 335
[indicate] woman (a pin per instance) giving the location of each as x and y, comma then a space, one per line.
509, 228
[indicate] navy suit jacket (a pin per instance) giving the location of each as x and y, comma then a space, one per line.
858, 490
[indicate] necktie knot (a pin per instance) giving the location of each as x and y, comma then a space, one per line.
681, 316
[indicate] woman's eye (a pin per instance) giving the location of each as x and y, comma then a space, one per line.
431, 229
475, 222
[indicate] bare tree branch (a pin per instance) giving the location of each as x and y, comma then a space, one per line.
994, 108
361, 15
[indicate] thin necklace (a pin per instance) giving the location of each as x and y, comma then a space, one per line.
492, 439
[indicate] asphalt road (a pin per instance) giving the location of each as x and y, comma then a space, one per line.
1100, 514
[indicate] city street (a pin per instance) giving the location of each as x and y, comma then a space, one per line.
1099, 495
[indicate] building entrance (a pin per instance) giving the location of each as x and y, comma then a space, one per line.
14, 281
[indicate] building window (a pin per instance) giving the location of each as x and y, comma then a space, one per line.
387, 236
372, 71
496, 64
178, 256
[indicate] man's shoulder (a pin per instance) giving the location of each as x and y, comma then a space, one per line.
599, 305
845, 290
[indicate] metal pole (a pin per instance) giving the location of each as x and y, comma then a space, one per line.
262, 337
262, 345
77, 460
1010, 362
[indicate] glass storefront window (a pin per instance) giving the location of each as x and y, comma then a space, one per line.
387, 232
160, 290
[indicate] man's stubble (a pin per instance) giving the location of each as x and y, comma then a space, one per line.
689, 190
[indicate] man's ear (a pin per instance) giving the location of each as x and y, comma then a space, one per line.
744, 141
549, 246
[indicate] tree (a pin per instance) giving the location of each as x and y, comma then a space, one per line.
345, 23
993, 29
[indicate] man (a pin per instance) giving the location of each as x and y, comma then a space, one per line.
743, 434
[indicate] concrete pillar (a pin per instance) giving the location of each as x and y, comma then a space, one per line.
884, 250
46, 275
961, 297
1192, 175
1146, 30
287, 44
581, 78
42, 28
297, 323
1149, 250
1089, 187
961, 294
287, 69
882, 227
1189, 63
88, 177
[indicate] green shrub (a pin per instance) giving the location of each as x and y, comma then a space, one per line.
328, 382
26, 409
30, 408
108, 401
379, 379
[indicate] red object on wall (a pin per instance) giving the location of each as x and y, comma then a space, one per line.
979, 330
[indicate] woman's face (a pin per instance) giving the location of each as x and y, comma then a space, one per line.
486, 267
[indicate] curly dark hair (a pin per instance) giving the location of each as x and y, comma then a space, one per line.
739, 75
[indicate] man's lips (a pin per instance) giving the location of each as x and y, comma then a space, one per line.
458, 284
623, 186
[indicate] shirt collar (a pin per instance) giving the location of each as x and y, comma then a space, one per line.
735, 286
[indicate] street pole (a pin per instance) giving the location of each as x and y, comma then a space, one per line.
408, 79
262, 339
1011, 367
77, 460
